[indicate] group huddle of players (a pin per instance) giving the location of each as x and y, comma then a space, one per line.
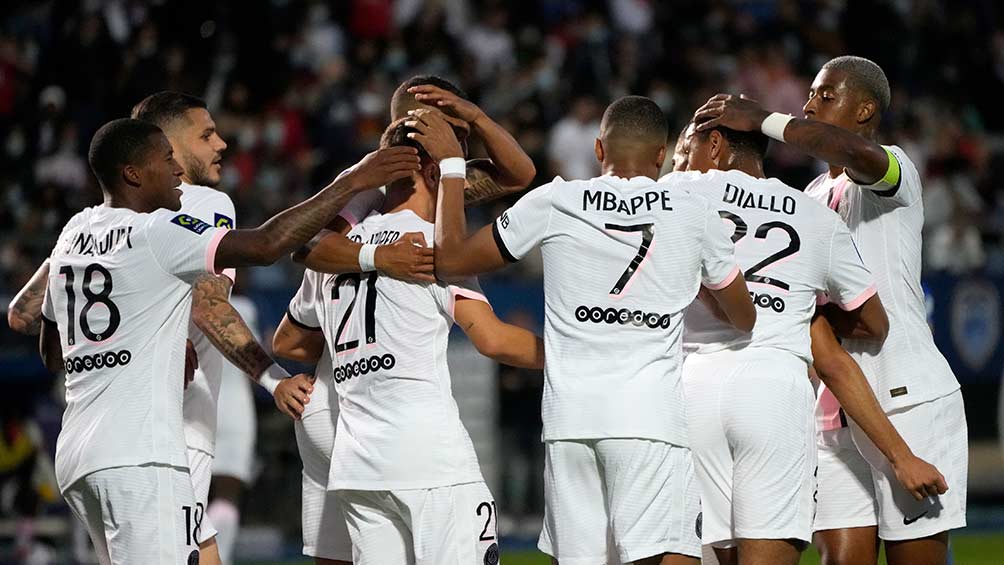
688, 318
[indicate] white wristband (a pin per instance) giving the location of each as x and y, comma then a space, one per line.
367, 258
774, 124
271, 377
453, 168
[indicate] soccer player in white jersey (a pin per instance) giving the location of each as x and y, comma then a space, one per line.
876, 189
623, 258
749, 401
403, 466
120, 458
507, 170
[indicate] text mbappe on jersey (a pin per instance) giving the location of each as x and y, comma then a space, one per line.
737, 195
603, 201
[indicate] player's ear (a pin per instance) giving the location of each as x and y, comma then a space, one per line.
430, 175
130, 175
866, 110
716, 145
660, 157
598, 149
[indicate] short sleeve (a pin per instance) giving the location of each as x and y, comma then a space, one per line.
183, 245
47, 310
848, 281
718, 256
362, 205
901, 186
523, 226
302, 311
448, 295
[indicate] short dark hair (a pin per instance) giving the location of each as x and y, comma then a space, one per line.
402, 90
166, 107
635, 117
751, 143
119, 143
396, 135
864, 76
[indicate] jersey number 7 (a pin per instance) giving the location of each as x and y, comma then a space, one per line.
647, 234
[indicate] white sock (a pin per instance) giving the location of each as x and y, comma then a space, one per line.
227, 520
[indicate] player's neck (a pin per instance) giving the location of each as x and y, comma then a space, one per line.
748, 165
122, 201
419, 200
629, 170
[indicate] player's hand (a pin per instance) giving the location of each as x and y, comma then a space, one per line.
919, 477
383, 167
407, 259
435, 134
191, 362
293, 394
451, 104
734, 112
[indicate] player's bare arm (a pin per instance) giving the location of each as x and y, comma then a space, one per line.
295, 226
734, 303
223, 325
24, 313
457, 256
407, 259
296, 343
49, 347
495, 339
866, 162
869, 322
509, 168
843, 376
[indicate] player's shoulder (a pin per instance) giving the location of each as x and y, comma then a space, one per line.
209, 204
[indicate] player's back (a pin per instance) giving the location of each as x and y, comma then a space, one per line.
622, 259
399, 425
791, 249
119, 291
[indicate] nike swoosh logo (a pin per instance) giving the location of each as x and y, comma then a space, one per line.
908, 521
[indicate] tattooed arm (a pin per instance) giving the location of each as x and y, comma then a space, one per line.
866, 162
223, 325
294, 227
24, 314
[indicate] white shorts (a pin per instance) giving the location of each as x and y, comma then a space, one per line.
626, 499
236, 427
325, 534
752, 433
936, 431
200, 467
140, 514
455, 525
845, 493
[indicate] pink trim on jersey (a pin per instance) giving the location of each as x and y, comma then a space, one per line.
349, 217
839, 188
726, 281
230, 274
211, 250
861, 299
822, 300
464, 293
830, 408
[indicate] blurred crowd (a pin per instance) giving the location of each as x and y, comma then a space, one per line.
301, 89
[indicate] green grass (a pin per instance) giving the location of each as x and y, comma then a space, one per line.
969, 549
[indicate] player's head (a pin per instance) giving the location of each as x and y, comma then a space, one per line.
190, 129
849, 92
633, 130
724, 149
425, 179
134, 163
681, 152
402, 101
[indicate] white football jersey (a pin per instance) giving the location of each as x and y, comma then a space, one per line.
623, 258
306, 298
790, 248
203, 393
120, 292
907, 369
398, 424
